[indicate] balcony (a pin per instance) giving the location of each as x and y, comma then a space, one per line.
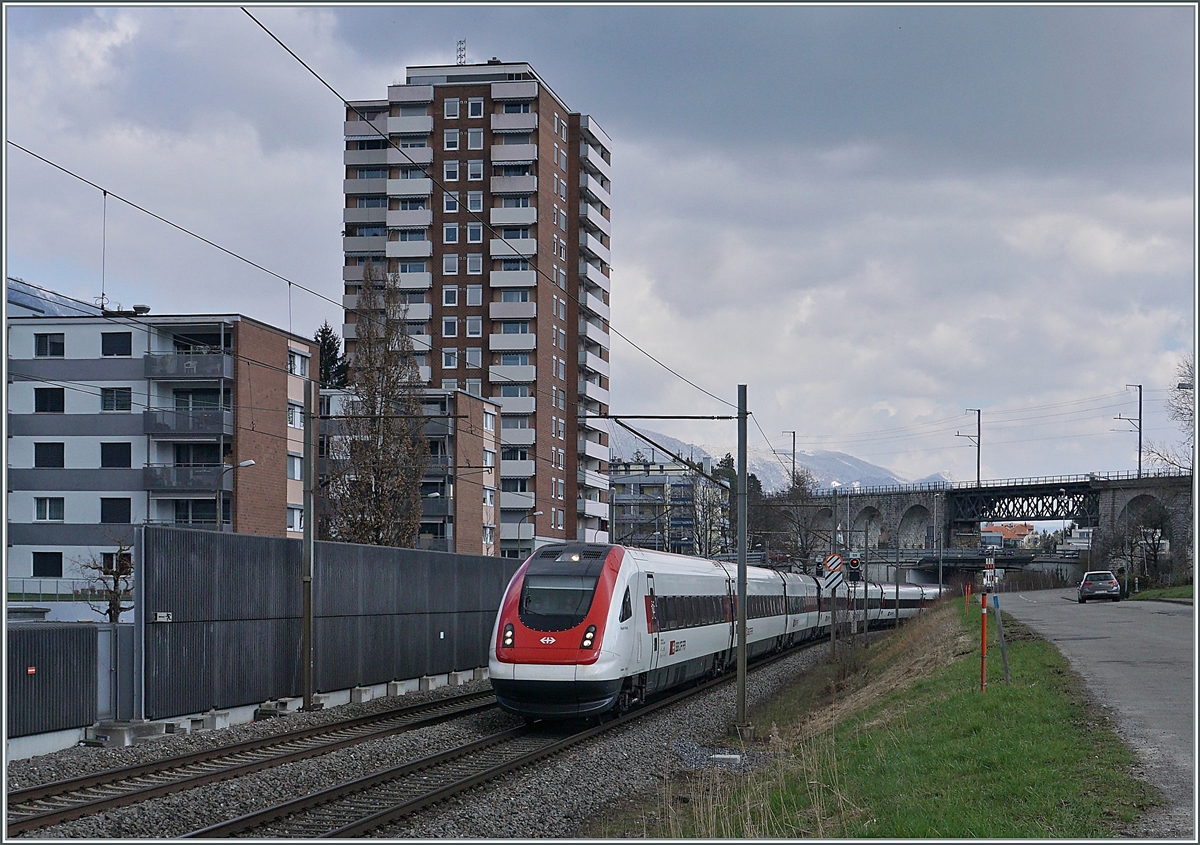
590, 157
514, 216
516, 501
594, 333
374, 243
437, 506
409, 156
595, 480
364, 215
524, 90
187, 423
422, 344
591, 245
509, 530
516, 404
514, 184
409, 249
363, 158
594, 392
512, 247
592, 186
593, 362
180, 366
513, 278
417, 125
514, 153
367, 128
518, 436
593, 450
591, 215
364, 186
408, 187
517, 469
592, 131
590, 507
512, 310
595, 305
515, 122
594, 275
526, 342
513, 373
410, 93
417, 312
420, 218
203, 479
414, 281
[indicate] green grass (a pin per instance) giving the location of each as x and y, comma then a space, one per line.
1184, 592
917, 750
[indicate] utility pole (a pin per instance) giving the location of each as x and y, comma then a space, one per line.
1139, 425
743, 503
938, 528
977, 439
310, 532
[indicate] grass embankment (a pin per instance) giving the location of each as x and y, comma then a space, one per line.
1184, 592
896, 740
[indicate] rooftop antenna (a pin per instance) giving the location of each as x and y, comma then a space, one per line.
461, 53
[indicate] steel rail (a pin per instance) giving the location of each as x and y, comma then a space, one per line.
65, 800
370, 812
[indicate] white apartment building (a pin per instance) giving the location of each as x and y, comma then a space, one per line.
488, 200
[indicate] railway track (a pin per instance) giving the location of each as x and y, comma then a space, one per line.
60, 801
358, 806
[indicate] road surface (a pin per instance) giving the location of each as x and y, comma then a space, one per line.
1138, 659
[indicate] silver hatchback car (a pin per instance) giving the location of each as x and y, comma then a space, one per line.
1099, 585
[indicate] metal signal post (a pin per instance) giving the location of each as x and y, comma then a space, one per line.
743, 502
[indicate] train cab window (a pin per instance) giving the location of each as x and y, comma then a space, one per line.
556, 602
626, 607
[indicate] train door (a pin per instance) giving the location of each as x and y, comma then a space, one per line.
652, 620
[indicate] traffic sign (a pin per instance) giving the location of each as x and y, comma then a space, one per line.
832, 581
833, 562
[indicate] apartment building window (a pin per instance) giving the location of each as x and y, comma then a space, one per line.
489, 421
47, 564
514, 390
295, 519
116, 398
450, 264
49, 345
48, 400
450, 295
474, 294
474, 263
562, 429
451, 109
372, 202
489, 496
562, 189
562, 283
450, 202
372, 173
116, 344
562, 518
514, 421
489, 458
48, 509
365, 231
411, 267
475, 170
297, 364
449, 327
562, 369
449, 384
474, 233
475, 200
475, 386
514, 327
515, 295
48, 455
295, 467
514, 359
474, 139
510, 265
410, 235
116, 455
449, 359
295, 416
475, 327
553, 516
450, 233
450, 139
515, 233
413, 204
362, 260
474, 357
116, 511
516, 108
450, 171
475, 107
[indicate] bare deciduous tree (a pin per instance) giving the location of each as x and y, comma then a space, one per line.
109, 577
379, 453
1181, 399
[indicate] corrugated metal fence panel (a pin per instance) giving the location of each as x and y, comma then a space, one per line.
380, 614
61, 692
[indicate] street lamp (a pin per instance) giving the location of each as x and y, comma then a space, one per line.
521, 520
220, 477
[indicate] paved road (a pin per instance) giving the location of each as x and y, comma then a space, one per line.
1138, 659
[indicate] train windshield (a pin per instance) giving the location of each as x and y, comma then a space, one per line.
556, 602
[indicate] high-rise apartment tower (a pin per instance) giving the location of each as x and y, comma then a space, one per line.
488, 199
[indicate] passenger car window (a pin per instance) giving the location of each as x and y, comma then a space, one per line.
626, 607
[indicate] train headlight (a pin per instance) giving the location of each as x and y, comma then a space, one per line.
508, 636
588, 637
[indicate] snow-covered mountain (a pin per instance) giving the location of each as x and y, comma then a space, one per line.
772, 469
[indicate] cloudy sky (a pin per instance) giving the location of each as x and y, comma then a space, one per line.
874, 217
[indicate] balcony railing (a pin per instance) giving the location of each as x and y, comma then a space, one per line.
170, 365
201, 478
187, 422
55, 589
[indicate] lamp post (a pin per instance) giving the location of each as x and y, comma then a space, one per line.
220, 477
521, 520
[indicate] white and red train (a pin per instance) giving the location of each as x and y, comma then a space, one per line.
586, 628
